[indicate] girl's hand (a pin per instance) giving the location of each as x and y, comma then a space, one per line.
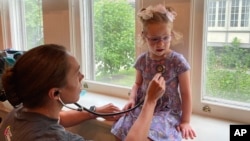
186, 131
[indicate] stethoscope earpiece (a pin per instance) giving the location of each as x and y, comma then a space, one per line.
56, 93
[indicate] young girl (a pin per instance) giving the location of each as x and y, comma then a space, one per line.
171, 120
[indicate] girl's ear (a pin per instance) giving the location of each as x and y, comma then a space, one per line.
143, 33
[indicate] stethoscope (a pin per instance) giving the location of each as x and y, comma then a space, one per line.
82, 108
159, 69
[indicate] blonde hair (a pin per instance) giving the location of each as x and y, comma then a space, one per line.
158, 14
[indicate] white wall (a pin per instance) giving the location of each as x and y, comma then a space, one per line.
1, 35
56, 22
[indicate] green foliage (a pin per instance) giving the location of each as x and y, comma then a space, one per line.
234, 56
123, 78
227, 72
33, 18
114, 33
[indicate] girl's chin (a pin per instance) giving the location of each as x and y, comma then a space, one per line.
160, 54
157, 55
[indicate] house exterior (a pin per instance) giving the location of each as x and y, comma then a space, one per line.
227, 19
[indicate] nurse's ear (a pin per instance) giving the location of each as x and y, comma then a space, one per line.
54, 93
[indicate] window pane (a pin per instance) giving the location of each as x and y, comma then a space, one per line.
221, 13
227, 64
234, 13
114, 41
245, 13
33, 23
211, 13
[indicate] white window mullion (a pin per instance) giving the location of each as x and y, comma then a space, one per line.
239, 14
217, 6
227, 18
87, 44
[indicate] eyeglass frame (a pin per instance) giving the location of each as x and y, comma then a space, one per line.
156, 40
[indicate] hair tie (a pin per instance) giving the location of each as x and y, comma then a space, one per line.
148, 12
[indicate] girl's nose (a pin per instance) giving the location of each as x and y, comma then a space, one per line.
161, 43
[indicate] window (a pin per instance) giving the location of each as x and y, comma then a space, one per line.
239, 13
222, 14
110, 29
245, 13
223, 83
26, 23
234, 13
212, 13
106, 33
33, 23
217, 13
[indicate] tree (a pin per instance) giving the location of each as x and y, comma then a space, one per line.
114, 28
33, 24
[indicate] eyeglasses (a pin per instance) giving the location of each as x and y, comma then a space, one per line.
155, 40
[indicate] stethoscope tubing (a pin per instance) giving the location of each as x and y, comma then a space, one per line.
81, 108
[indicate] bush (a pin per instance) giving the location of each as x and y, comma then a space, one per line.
227, 72
114, 33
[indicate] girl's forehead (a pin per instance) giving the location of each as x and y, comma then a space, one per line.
156, 29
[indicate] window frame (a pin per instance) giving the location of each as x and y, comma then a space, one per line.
86, 42
200, 104
13, 24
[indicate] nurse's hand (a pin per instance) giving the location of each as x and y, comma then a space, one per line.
156, 88
109, 108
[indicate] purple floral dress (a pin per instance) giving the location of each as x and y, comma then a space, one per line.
168, 112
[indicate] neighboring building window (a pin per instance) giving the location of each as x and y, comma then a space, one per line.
216, 13
245, 13
239, 13
234, 13
211, 13
222, 13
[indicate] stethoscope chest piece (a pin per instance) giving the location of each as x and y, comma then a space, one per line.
160, 68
